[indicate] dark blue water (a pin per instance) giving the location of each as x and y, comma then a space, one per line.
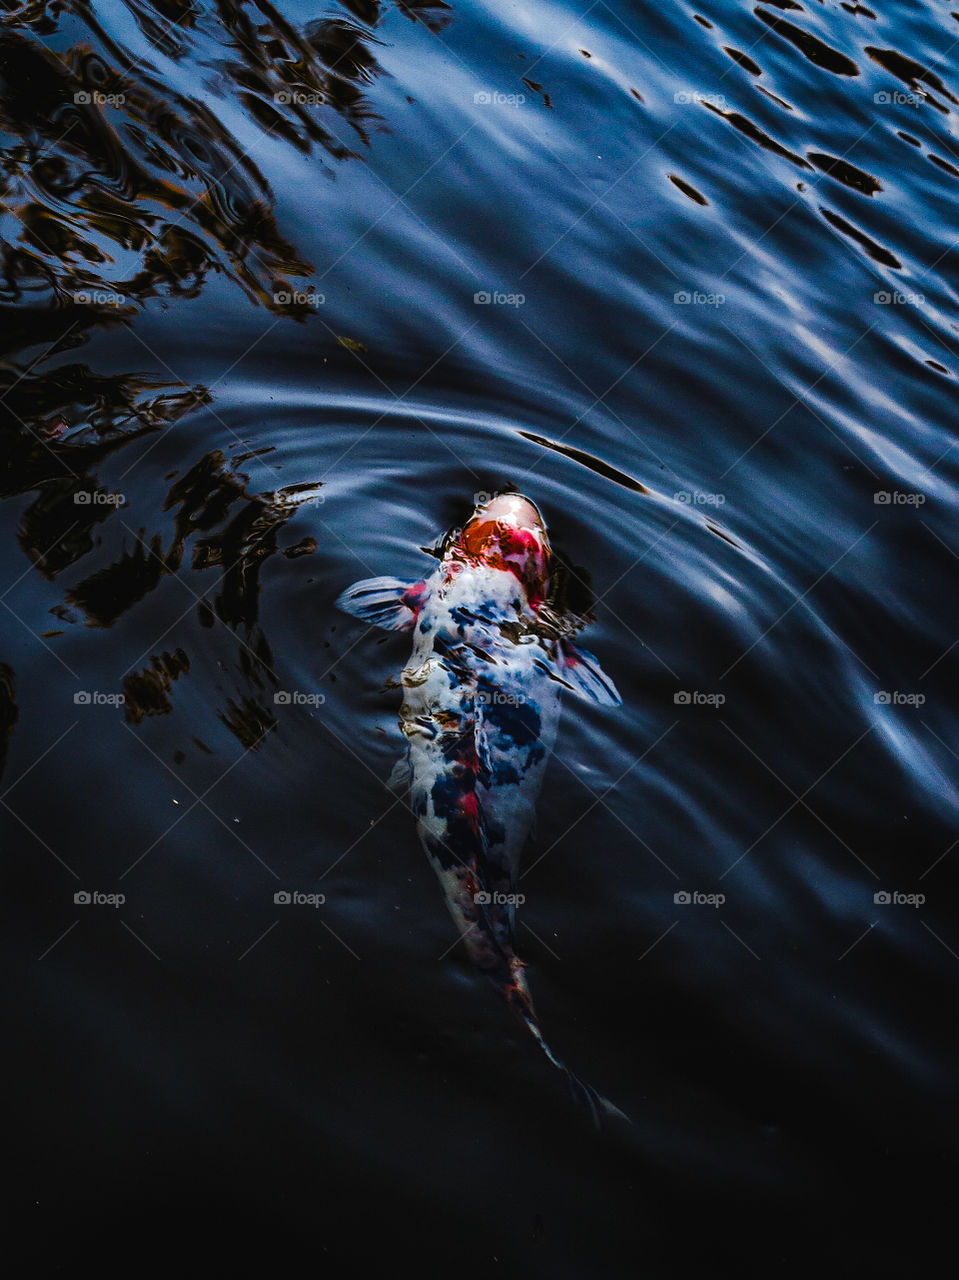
248, 360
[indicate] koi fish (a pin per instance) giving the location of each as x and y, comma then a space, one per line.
481, 706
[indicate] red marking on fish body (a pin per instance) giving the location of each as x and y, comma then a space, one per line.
414, 597
508, 534
469, 807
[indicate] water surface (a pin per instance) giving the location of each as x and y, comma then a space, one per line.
248, 358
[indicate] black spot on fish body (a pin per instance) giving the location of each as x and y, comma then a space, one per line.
481, 653
504, 773
495, 834
462, 617
518, 721
441, 852
446, 793
462, 842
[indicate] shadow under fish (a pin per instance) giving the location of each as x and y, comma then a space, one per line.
480, 712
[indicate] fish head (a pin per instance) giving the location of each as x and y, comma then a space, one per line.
507, 532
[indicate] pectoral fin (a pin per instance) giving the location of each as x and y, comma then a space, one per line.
401, 779
584, 676
385, 602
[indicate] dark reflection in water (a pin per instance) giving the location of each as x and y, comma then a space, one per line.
814, 49
109, 168
109, 164
147, 692
232, 533
102, 414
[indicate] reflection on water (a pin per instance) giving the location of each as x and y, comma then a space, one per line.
110, 166
118, 189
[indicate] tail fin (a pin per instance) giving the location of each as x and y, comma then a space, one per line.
584, 1094
519, 999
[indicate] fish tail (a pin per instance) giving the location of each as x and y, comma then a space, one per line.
520, 1001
